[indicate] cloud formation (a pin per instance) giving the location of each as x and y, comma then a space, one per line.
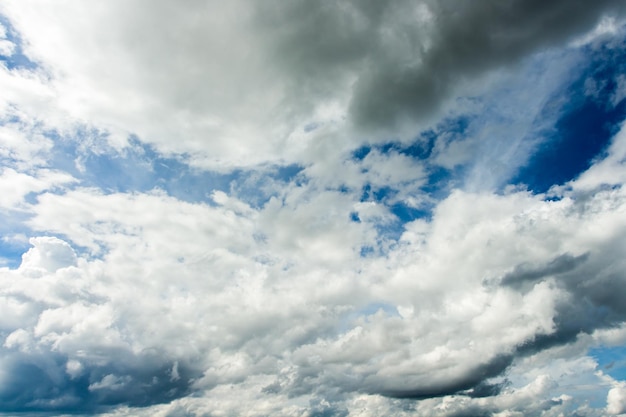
312, 208
464, 42
235, 84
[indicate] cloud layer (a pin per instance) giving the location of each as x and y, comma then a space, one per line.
305, 209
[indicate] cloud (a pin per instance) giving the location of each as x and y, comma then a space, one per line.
275, 308
616, 400
16, 186
466, 42
49, 254
23, 146
560, 264
6, 46
308, 209
283, 67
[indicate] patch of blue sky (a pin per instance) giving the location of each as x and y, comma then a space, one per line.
360, 153
87, 157
406, 213
367, 251
389, 233
11, 253
401, 205
438, 184
421, 148
388, 236
497, 137
8, 118
17, 59
492, 149
288, 173
403, 213
589, 119
378, 194
256, 186
611, 360
439, 180
13, 241
389, 229
496, 134
141, 168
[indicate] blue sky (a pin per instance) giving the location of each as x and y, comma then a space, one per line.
341, 209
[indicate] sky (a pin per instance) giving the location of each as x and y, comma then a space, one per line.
346, 208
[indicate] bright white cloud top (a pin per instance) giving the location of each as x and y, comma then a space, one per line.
298, 208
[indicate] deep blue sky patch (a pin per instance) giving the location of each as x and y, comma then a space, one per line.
585, 128
611, 361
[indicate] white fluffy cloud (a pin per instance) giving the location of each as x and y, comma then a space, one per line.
315, 296
235, 84
15, 186
49, 254
275, 303
616, 400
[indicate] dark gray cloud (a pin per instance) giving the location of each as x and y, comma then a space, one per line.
526, 274
594, 284
472, 383
40, 382
399, 61
473, 411
467, 41
314, 39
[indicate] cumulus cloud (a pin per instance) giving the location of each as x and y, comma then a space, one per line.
49, 254
354, 246
280, 321
616, 400
236, 83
